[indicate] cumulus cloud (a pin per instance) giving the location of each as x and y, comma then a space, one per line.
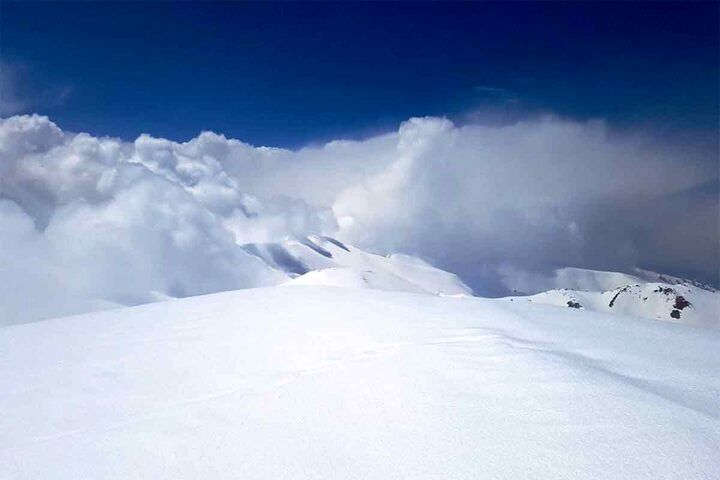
88, 219
536, 194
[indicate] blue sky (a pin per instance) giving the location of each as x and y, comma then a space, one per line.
292, 74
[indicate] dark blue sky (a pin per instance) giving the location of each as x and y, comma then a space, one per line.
289, 74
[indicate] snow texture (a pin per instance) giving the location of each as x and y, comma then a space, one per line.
322, 382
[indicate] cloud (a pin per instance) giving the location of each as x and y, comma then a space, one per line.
537, 194
10, 101
99, 220
87, 219
21, 91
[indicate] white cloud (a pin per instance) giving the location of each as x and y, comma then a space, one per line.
536, 193
101, 219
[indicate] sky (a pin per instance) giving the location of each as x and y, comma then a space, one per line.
143, 144
290, 74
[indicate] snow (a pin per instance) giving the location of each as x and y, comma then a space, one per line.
329, 262
650, 276
349, 278
325, 382
324, 260
652, 300
679, 302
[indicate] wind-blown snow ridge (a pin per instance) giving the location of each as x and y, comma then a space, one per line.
317, 382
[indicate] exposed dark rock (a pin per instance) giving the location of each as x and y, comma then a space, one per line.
337, 243
317, 248
612, 302
681, 303
572, 304
675, 314
664, 291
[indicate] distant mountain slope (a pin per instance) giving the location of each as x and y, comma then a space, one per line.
328, 383
312, 260
649, 276
318, 260
591, 280
584, 279
681, 301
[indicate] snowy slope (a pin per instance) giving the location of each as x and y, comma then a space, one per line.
331, 383
312, 260
673, 303
571, 278
326, 261
674, 299
351, 278
649, 276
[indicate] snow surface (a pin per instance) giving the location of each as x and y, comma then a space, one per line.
321, 382
349, 278
648, 295
321, 260
571, 278
657, 301
326, 261
650, 276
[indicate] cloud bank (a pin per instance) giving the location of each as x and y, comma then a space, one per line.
86, 219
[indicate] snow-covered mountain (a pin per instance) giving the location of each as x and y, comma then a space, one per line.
318, 382
591, 280
649, 276
647, 294
319, 260
301, 260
